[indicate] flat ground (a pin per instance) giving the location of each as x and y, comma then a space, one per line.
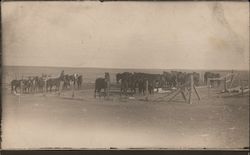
37, 121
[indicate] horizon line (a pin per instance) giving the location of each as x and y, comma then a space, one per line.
122, 68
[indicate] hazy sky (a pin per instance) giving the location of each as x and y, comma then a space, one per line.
185, 35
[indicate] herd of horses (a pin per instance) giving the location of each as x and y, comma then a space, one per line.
129, 83
43, 83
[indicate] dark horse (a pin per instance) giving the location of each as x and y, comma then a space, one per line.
124, 78
100, 84
53, 83
15, 84
79, 81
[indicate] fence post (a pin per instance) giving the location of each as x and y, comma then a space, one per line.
225, 84
147, 90
108, 88
242, 88
208, 87
191, 89
21, 90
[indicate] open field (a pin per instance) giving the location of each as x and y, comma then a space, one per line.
51, 121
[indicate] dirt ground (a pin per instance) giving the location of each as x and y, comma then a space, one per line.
37, 121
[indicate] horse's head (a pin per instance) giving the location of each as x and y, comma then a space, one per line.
217, 75
118, 77
106, 74
107, 77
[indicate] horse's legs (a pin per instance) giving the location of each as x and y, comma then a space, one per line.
12, 88
99, 92
16, 89
105, 92
95, 93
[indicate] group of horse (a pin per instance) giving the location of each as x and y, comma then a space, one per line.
44, 83
131, 82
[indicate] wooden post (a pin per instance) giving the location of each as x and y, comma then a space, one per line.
21, 90
232, 80
176, 93
196, 92
21, 87
147, 90
45, 87
183, 94
191, 89
208, 87
242, 88
202, 78
225, 84
108, 88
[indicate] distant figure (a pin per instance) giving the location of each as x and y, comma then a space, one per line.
61, 75
61, 79
79, 81
107, 80
107, 77
75, 78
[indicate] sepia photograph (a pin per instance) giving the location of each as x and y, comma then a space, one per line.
125, 75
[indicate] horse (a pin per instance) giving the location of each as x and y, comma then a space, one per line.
34, 84
124, 78
100, 83
67, 78
40, 84
53, 83
151, 82
79, 81
132, 83
140, 80
211, 75
27, 85
168, 78
196, 78
15, 84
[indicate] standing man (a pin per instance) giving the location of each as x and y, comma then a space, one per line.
74, 84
